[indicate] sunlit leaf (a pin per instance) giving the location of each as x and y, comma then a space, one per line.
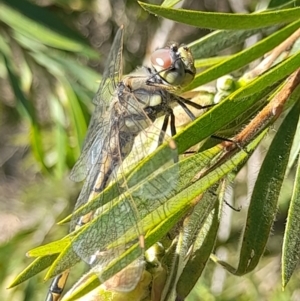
49, 249
291, 251
244, 57
211, 44
263, 204
38, 265
223, 20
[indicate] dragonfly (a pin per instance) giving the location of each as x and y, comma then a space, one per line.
124, 108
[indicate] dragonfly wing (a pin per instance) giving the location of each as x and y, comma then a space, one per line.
93, 144
116, 225
98, 166
125, 280
112, 73
102, 100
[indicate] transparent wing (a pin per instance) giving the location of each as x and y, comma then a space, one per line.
103, 99
113, 72
92, 145
100, 167
117, 225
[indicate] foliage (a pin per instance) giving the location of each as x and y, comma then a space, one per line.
249, 107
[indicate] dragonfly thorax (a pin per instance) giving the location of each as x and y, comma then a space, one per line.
138, 90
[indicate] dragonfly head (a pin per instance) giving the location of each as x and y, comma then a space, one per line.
175, 65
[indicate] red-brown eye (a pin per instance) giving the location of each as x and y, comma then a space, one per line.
161, 59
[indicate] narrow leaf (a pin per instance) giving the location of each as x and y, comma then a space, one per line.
244, 57
39, 23
51, 248
202, 250
265, 195
38, 265
291, 242
211, 44
223, 20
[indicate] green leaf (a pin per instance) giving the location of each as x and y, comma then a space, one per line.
65, 260
155, 221
291, 242
224, 20
277, 3
202, 249
246, 56
263, 204
208, 62
211, 44
75, 113
217, 118
170, 3
24, 106
222, 114
50, 249
296, 144
194, 224
91, 281
60, 137
26, 109
38, 23
182, 178
38, 265
58, 62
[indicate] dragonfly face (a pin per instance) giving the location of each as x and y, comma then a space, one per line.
174, 65
124, 107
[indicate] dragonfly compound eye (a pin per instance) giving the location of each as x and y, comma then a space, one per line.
161, 59
174, 65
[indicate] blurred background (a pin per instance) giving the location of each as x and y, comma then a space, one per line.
52, 54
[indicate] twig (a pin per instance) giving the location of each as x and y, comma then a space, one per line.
273, 55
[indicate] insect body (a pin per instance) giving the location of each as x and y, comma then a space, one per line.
124, 107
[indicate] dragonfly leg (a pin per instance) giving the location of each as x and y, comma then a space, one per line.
193, 104
238, 209
183, 102
172, 123
186, 109
164, 128
237, 144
